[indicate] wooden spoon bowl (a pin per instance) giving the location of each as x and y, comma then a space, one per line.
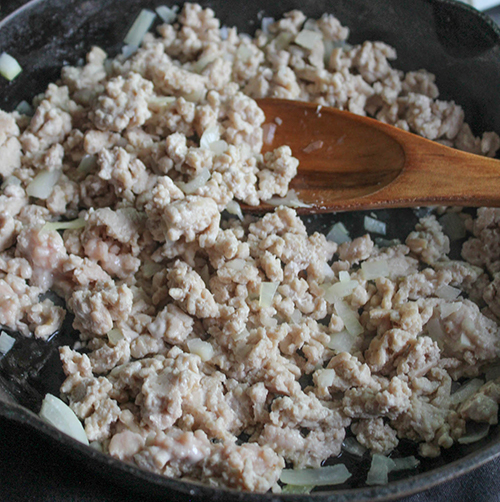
350, 162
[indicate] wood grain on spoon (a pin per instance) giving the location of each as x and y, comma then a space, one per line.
349, 162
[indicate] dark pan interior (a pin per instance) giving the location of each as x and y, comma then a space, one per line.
449, 39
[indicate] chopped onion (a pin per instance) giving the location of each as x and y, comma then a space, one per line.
219, 147
340, 290
447, 292
351, 323
374, 225
61, 416
267, 292
322, 476
278, 120
11, 180
42, 184
224, 33
325, 377
311, 25
375, 269
405, 463
465, 391
196, 182
296, 316
344, 276
480, 431
128, 50
341, 341
453, 226
234, 208
158, 102
379, 470
311, 147
465, 341
297, 490
6, 342
244, 53
308, 39
266, 23
351, 445
203, 62
237, 264
168, 15
24, 108
87, 163
268, 131
202, 349
386, 243
140, 27
327, 271
115, 335
9, 67
291, 200
64, 225
449, 308
283, 40
435, 330
209, 136
338, 233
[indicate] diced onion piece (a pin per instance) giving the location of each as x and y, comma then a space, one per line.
64, 225
197, 182
268, 132
266, 23
283, 40
386, 243
465, 391
129, 50
453, 226
308, 39
297, 490
374, 225
202, 349
9, 67
322, 476
234, 208
465, 341
340, 290
338, 233
405, 463
325, 377
311, 147
341, 341
375, 269
244, 53
209, 136
379, 470
87, 163
6, 342
115, 335
344, 276
267, 292
351, 323
224, 33
167, 15
11, 180
203, 62
352, 446
480, 432
61, 416
219, 147
237, 264
327, 271
296, 316
449, 308
42, 184
291, 200
156, 103
24, 108
435, 330
140, 27
447, 292
311, 25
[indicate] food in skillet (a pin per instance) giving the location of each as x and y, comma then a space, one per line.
224, 347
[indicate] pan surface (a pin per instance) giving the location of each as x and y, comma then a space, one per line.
447, 38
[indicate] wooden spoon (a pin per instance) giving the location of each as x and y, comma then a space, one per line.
349, 162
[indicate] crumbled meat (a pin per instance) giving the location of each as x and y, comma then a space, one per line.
188, 367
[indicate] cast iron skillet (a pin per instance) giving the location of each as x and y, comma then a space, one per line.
459, 45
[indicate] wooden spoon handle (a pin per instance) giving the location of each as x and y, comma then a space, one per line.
434, 174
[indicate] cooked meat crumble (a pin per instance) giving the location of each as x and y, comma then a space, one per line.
184, 351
